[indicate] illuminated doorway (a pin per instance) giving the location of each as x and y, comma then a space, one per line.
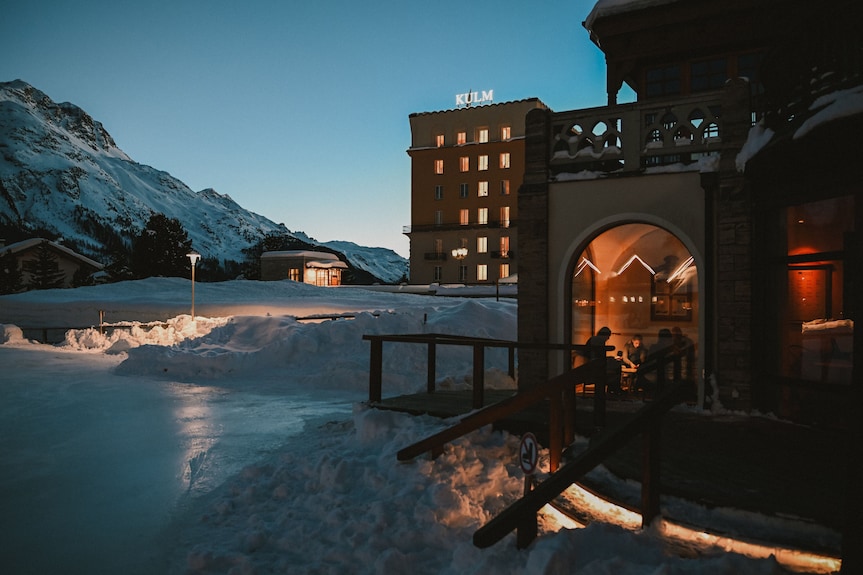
636, 279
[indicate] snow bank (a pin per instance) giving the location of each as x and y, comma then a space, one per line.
340, 502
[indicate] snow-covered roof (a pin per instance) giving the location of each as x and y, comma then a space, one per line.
326, 265
33, 242
605, 8
300, 254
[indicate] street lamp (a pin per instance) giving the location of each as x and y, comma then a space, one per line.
460, 254
193, 257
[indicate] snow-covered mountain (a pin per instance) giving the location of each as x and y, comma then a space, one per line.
61, 171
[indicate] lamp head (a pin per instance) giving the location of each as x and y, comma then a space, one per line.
193, 257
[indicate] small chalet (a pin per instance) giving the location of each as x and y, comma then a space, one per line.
69, 263
316, 268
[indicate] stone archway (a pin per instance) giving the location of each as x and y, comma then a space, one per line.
636, 279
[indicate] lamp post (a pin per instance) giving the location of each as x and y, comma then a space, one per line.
193, 257
460, 254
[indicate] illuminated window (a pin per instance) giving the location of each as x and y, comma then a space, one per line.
462, 190
504, 216
464, 163
482, 216
438, 166
482, 135
438, 192
504, 187
438, 246
482, 163
464, 217
504, 247
504, 271
482, 245
461, 138
439, 140
294, 274
481, 272
505, 133
504, 159
482, 189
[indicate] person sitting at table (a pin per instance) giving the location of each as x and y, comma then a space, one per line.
634, 353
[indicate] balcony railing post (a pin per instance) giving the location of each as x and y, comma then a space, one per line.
650, 472
478, 375
376, 365
432, 361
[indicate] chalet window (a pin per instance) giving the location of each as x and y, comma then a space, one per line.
663, 81
505, 133
462, 190
464, 163
482, 135
438, 192
708, 74
438, 166
439, 140
482, 189
461, 138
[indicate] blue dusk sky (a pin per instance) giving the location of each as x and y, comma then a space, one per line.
297, 110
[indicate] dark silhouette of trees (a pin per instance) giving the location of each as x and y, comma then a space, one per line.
45, 272
161, 248
11, 280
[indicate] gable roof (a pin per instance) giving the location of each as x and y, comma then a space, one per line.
27, 245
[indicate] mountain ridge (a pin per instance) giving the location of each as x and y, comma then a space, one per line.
61, 171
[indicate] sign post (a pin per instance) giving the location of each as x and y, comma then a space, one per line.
528, 456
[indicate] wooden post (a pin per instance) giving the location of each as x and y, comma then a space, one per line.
527, 528
555, 432
478, 375
432, 360
650, 472
599, 396
568, 414
376, 367
511, 364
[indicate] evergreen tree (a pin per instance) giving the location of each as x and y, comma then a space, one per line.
10, 274
45, 272
82, 277
161, 248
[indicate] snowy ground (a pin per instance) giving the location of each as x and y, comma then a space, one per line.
238, 442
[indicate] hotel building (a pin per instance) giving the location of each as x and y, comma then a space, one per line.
467, 165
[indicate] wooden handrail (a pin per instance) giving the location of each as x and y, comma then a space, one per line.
523, 512
518, 402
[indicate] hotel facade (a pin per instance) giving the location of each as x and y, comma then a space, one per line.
724, 204
467, 165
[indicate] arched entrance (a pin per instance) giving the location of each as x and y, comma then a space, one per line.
637, 279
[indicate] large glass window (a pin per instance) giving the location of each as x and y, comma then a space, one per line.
638, 280
816, 337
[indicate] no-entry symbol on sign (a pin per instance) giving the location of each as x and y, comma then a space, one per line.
528, 453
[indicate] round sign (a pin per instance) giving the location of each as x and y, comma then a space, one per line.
528, 453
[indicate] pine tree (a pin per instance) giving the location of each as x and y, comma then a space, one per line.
161, 248
45, 272
10, 274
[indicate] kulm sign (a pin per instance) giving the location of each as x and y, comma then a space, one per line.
470, 98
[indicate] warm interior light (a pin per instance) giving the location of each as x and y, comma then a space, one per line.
605, 511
